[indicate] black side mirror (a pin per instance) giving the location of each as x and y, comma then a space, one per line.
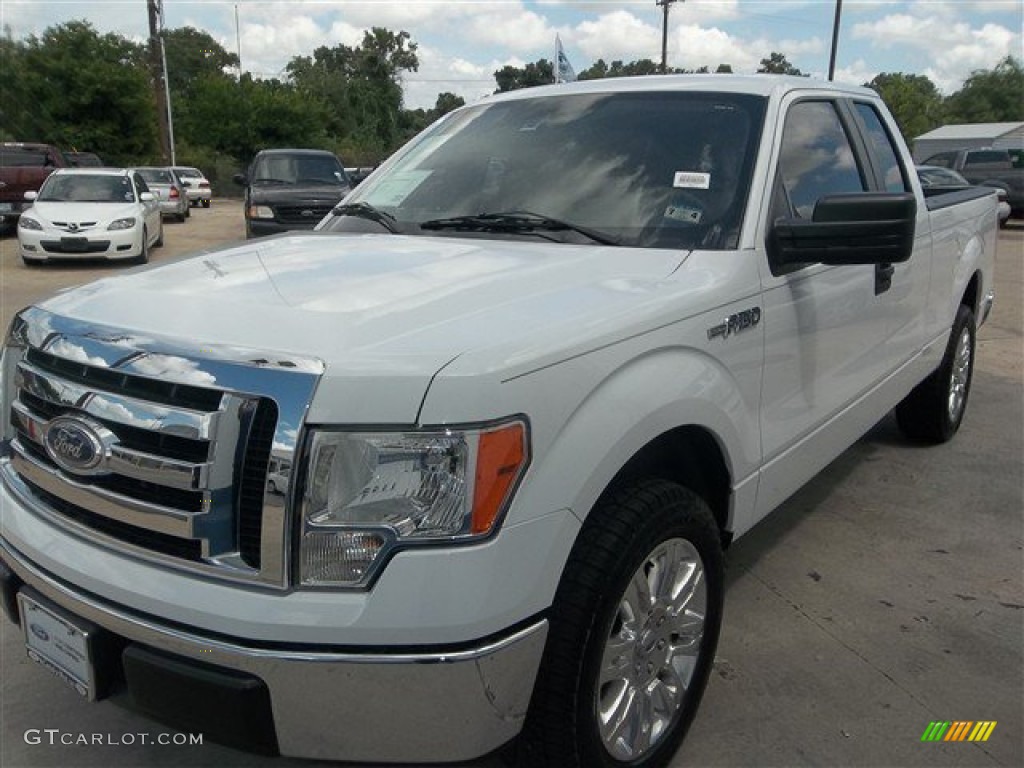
865, 228
240, 179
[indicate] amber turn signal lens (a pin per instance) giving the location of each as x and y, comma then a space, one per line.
501, 458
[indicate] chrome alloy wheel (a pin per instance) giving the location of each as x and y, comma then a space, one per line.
960, 375
652, 650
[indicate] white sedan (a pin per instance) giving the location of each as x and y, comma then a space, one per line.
91, 213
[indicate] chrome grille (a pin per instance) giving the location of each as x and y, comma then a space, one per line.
184, 438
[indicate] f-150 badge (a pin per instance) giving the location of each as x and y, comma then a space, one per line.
741, 321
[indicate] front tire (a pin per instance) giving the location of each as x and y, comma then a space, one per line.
934, 410
143, 257
632, 635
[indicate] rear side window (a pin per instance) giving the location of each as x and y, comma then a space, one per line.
885, 152
987, 157
817, 159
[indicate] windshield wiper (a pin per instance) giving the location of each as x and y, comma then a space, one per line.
367, 211
516, 221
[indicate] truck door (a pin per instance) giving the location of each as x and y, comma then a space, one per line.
829, 330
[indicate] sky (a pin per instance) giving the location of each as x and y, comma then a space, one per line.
462, 42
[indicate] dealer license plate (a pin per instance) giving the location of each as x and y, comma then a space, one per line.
57, 643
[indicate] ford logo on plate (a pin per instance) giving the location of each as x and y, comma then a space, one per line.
39, 632
75, 444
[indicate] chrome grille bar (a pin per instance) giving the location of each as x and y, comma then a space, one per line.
127, 462
114, 407
174, 522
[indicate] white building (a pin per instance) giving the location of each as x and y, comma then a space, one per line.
952, 137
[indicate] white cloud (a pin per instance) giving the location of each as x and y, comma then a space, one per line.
617, 35
858, 73
953, 48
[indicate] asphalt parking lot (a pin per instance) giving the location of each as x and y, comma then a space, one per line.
886, 594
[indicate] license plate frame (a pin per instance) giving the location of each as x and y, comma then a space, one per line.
61, 643
75, 244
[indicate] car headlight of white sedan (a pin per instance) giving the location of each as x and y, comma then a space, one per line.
27, 222
126, 223
368, 494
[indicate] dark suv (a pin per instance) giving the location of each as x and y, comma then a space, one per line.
291, 189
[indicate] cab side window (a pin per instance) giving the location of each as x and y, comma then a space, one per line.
817, 159
884, 151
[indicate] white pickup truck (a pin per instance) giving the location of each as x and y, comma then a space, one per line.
530, 378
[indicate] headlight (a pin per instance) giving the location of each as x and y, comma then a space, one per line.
27, 222
261, 212
368, 493
122, 223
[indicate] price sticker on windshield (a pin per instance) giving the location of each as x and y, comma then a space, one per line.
691, 180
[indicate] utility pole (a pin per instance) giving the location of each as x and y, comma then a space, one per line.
156, 71
664, 32
835, 40
238, 44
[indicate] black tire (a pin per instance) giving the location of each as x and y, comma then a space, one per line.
272, 486
143, 257
160, 239
206, 203
627, 531
934, 410
188, 211
180, 217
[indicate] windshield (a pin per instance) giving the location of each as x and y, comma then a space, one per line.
655, 169
298, 169
188, 173
82, 188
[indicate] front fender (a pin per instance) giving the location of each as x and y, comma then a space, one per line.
635, 403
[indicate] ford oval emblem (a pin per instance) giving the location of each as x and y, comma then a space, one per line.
74, 444
39, 632
306, 212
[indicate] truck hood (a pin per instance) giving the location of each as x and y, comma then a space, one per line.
382, 307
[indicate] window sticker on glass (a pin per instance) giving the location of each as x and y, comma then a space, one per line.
691, 180
684, 214
393, 190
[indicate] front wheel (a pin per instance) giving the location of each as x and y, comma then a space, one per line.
143, 257
632, 635
935, 408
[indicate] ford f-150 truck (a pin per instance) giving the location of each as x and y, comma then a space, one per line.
529, 379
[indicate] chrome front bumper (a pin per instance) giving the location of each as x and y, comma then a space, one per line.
417, 707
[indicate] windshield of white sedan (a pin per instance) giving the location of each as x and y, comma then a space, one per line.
653, 169
87, 189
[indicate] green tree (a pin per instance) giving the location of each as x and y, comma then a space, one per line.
359, 88
990, 95
509, 78
777, 64
914, 101
446, 102
191, 55
88, 91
